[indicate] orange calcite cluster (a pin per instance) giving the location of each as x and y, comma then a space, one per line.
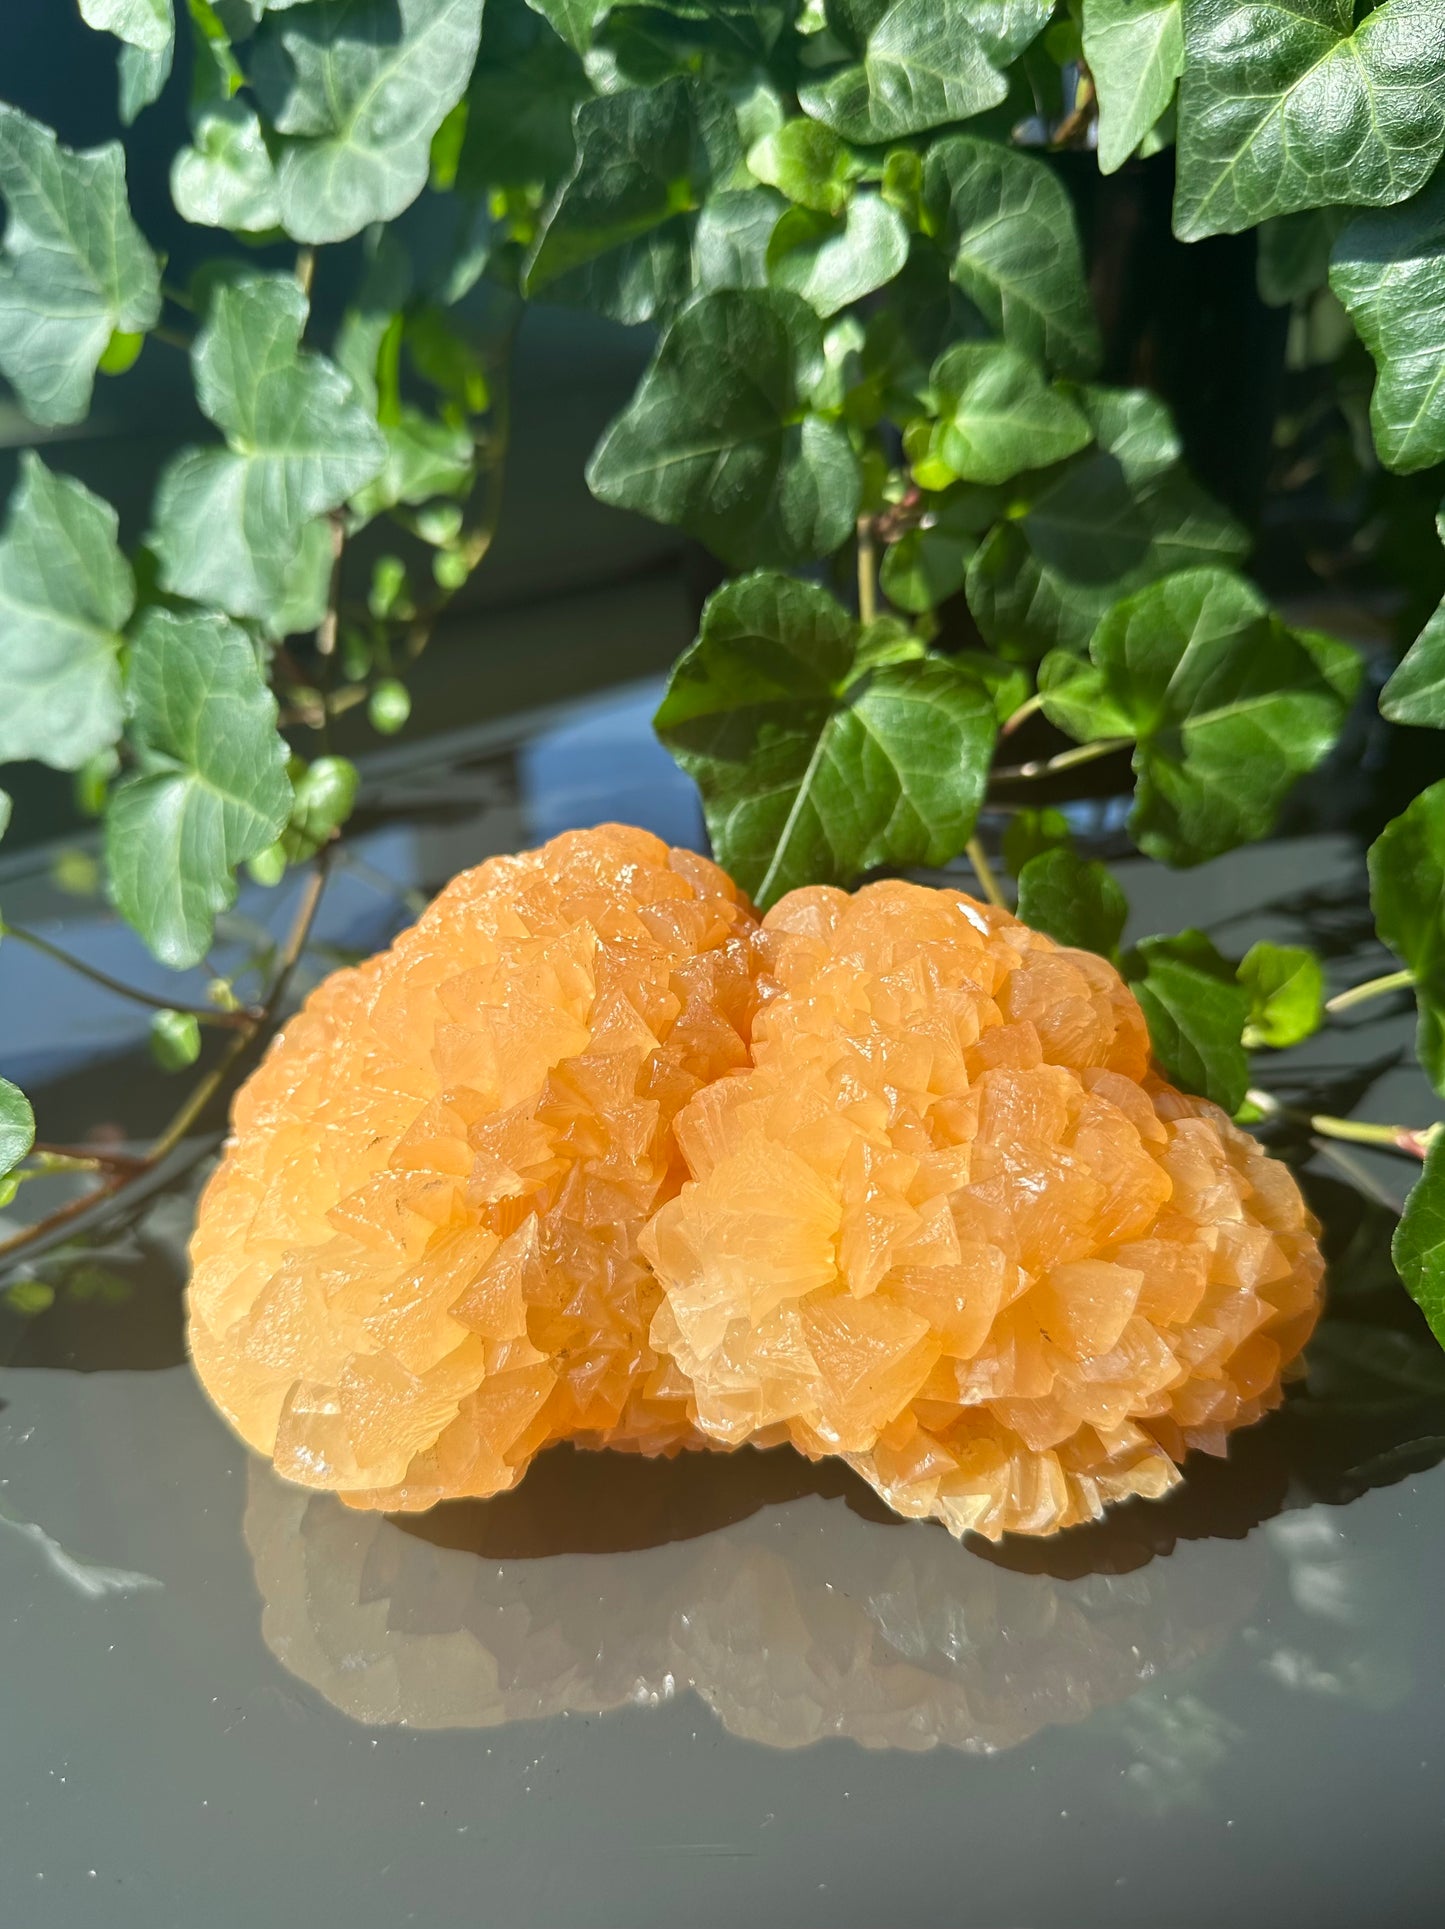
418, 1262
590, 1155
950, 1226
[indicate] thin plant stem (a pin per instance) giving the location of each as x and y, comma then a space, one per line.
305, 268
1414, 1140
1082, 753
1030, 708
987, 882
867, 571
1371, 988
82, 1158
229, 1020
326, 629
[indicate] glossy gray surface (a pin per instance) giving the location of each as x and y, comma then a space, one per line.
632, 1695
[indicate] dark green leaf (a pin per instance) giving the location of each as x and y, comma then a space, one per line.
1294, 254
65, 595
1407, 895
519, 105
1418, 1249
808, 163
1113, 519
358, 88
175, 1040
1227, 708
1008, 230
573, 19
922, 66
1196, 1012
1074, 899
1286, 986
813, 764
1032, 832
998, 416
719, 438
211, 787
927, 565
74, 267
229, 522
1389, 271
1416, 692
1286, 104
17, 1126
832, 262
1135, 51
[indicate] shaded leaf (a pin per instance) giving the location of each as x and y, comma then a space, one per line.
1407, 895
1418, 1248
1196, 1012
1226, 706
573, 19
357, 88
229, 522
17, 1126
832, 262
1008, 229
1286, 986
1286, 104
998, 416
66, 593
519, 105
1416, 692
720, 440
1074, 899
927, 565
1294, 254
74, 268
822, 749
211, 786
1135, 51
1031, 832
920, 65
1388, 269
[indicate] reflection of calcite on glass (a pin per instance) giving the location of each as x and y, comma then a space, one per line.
794, 1624
419, 1261
950, 1225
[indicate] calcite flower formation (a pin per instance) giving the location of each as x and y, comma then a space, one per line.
592, 1154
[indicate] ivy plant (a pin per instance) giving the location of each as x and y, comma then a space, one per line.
976, 541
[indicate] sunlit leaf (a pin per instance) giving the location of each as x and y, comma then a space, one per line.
1418, 1249
1006, 27
65, 595
149, 24
833, 261
1286, 986
210, 788
1196, 1012
17, 1126
1227, 709
1407, 895
1135, 51
1416, 692
226, 179
998, 416
819, 755
1074, 899
229, 522
730, 239
808, 163
720, 439
74, 267
1288, 104
916, 64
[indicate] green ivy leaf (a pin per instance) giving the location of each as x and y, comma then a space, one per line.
226, 179
928, 563
175, 1039
730, 239
919, 64
719, 438
834, 261
1286, 104
573, 19
74, 268
1031, 832
358, 88
1196, 1012
1388, 269
229, 522
1135, 51
1418, 1248
1007, 27
143, 76
1074, 899
1110, 521
523, 90
211, 787
17, 1126
1407, 895
1227, 708
1286, 986
424, 458
66, 593
820, 753
324, 796
149, 24
1008, 229
1416, 692
998, 416
808, 163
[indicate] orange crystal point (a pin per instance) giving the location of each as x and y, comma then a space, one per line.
951, 1226
418, 1261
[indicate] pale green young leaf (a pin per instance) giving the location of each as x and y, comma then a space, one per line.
357, 89
719, 438
997, 414
1007, 227
17, 1126
834, 261
1227, 709
1287, 104
1135, 51
813, 766
1388, 268
1196, 1012
226, 179
1418, 1248
148, 24
74, 267
1074, 899
210, 789
922, 65
66, 593
1286, 986
229, 522
175, 1040
1407, 895
808, 163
